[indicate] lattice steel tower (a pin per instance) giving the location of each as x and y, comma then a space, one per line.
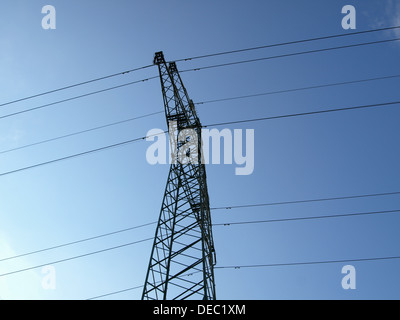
183, 256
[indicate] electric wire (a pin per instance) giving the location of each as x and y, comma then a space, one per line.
204, 126
232, 223
217, 267
75, 98
307, 263
149, 239
211, 55
305, 201
306, 218
247, 266
297, 89
195, 69
303, 114
115, 292
76, 257
77, 241
75, 85
79, 154
198, 103
288, 55
81, 132
288, 43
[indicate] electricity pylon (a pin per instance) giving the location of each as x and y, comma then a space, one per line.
183, 256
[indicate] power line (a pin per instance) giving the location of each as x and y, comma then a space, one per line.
271, 265
78, 241
115, 292
75, 257
197, 103
289, 55
303, 114
204, 126
307, 201
75, 98
288, 43
297, 89
196, 69
78, 154
187, 70
232, 223
307, 263
218, 54
75, 85
148, 239
306, 218
222, 267
81, 132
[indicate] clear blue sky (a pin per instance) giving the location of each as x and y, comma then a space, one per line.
328, 155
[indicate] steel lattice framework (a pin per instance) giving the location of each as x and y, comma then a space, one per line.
183, 256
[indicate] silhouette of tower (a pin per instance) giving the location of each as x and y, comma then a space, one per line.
183, 257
